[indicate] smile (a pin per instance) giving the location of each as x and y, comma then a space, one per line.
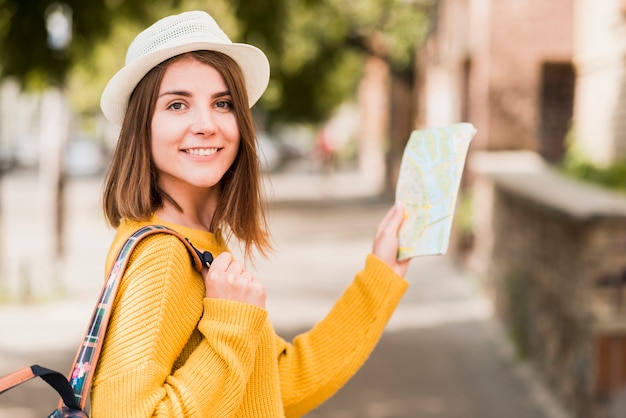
201, 151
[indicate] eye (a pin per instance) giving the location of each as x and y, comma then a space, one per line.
224, 104
176, 106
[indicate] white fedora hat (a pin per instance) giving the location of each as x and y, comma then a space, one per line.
175, 35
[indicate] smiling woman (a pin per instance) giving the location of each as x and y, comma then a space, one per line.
183, 343
195, 140
171, 116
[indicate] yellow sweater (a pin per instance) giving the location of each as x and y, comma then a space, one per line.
171, 352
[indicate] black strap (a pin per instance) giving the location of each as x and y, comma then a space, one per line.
205, 256
59, 382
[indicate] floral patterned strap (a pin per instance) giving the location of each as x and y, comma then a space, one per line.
88, 353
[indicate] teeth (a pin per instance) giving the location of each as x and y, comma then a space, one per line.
201, 151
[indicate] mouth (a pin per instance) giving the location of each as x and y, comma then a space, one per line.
201, 151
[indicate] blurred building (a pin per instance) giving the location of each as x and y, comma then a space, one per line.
525, 70
599, 51
505, 65
533, 75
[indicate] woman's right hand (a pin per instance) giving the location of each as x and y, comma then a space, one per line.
228, 279
386, 240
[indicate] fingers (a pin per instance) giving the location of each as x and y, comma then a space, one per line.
391, 222
386, 219
221, 262
228, 279
385, 244
396, 218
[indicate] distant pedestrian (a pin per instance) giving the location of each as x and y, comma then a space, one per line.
325, 151
186, 344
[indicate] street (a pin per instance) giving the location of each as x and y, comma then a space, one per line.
443, 355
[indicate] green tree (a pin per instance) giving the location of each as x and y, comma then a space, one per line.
316, 47
25, 49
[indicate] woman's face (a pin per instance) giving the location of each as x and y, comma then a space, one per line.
195, 137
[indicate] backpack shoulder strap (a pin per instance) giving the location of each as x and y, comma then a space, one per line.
89, 351
52, 377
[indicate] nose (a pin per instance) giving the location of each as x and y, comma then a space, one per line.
203, 122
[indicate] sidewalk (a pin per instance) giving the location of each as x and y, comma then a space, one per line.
442, 355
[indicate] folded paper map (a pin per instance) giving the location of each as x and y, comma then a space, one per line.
428, 185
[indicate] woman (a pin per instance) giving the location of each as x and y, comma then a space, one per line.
185, 344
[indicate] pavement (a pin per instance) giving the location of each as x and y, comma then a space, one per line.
443, 353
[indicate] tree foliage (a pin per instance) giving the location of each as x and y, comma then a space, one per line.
25, 50
326, 41
315, 47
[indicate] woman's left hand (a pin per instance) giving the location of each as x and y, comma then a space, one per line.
227, 278
386, 240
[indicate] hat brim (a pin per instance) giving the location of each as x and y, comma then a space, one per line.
251, 60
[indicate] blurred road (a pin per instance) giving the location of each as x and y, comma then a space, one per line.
442, 355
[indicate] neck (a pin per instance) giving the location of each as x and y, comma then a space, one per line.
197, 209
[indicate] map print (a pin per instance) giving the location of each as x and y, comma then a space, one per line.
428, 185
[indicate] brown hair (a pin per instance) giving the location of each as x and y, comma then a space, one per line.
130, 187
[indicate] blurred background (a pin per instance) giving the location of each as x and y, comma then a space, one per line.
539, 239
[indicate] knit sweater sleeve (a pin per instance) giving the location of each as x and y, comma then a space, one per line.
159, 305
318, 363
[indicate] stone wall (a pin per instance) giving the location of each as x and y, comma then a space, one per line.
552, 253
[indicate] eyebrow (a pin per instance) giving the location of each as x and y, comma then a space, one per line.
186, 93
